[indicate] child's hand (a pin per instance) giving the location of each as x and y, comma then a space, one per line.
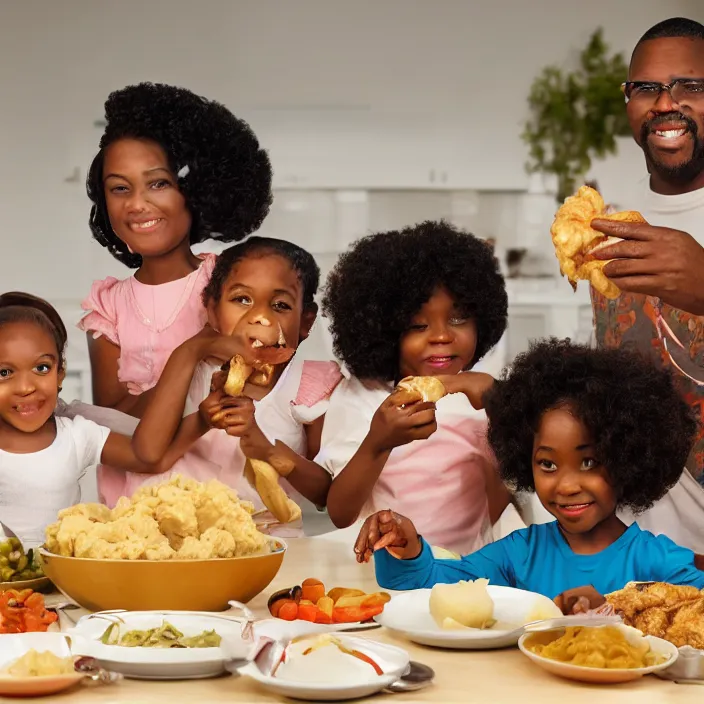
390, 531
236, 417
579, 600
394, 425
472, 384
216, 348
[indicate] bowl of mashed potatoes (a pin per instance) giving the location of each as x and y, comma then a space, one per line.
179, 545
599, 655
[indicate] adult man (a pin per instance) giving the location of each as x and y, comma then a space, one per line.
660, 266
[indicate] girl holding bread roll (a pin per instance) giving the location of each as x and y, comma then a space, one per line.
262, 406
411, 312
590, 432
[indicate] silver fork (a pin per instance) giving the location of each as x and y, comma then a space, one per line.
551, 624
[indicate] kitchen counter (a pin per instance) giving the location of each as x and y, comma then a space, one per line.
461, 676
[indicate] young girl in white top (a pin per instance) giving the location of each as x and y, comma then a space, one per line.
173, 170
256, 287
426, 301
42, 457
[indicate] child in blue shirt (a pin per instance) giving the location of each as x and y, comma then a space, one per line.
589, 431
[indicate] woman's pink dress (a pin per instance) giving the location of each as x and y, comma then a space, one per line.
147, 323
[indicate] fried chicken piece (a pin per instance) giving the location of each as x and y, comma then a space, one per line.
635, 598
575, 241
98, 513
100, 549
62, 536
177, 520
218, 511
160, 551
214, 543
652, 622
687, 627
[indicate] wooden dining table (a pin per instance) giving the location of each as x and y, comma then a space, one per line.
493, 676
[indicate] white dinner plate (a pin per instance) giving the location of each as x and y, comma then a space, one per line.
335, 682
597, 675
408, 614
160, 663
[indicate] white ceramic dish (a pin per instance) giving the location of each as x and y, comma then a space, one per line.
595, 675
160, 663
408, 615
333, 684
15, 645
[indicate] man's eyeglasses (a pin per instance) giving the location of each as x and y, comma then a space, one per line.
680, 90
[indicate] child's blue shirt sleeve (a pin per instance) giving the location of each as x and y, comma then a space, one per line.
668, 562
493, 562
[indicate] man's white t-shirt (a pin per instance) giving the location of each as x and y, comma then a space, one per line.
680, 514
35, 486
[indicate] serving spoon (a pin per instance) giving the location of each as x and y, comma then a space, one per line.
551, 624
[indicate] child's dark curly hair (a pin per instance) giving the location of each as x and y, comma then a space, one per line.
301, 261
383, 280
18, 307
642, 429
222, 172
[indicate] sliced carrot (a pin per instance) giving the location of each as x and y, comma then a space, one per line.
308, 612
276, 606
369, 612
347, 614
288, 611
369, 661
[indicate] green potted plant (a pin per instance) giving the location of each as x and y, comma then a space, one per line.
576, 116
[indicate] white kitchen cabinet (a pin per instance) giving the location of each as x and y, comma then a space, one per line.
362, 148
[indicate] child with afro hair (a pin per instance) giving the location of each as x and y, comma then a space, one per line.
173, 170
424, 301
589, 431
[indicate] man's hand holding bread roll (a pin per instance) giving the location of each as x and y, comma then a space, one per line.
576, 242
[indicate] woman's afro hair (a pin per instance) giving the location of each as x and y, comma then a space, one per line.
642, 429
301, 261
223, 173
383, 280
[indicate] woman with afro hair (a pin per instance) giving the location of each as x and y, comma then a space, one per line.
590, 432
425, 301
173, 169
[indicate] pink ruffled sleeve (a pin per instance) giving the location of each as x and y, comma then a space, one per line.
318, 381
101, 318
208, 265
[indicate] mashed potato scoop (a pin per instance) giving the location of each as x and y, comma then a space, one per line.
462, 605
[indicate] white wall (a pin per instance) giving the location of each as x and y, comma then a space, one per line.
338, 91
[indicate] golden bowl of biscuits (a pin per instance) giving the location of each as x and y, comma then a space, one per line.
177, 545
